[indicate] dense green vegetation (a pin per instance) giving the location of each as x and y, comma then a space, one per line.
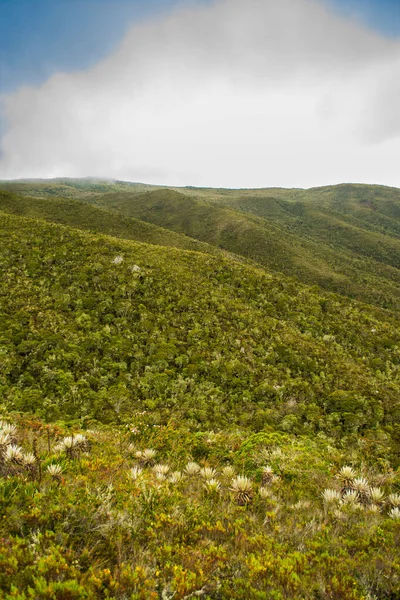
128, 515
98, 327
83, 216
122, 363
344, 238
356, 253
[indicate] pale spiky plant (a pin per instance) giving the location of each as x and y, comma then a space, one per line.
208, 473
175, 477
147, 456
135, 472
161, 470
5, 441
394, 500
394, 513
265, 493
81, 442
29, 460
350, 499
338, 514
13, 454
242, 488
160, 477
68, 442
376, 495
361, 486
131, 448
69, 446
118, 260
228, 472
331, 497
10, 430
374, 509
212, 486
275, 479
55, 471
192, 469
267, 475
263, 455
346, 476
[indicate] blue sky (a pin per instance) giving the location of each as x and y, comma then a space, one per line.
383, 15
220, 93
41, 37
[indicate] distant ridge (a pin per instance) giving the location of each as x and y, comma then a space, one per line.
344, 238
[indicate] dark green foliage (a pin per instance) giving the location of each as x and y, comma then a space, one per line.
344, 238
83, 216
189, 336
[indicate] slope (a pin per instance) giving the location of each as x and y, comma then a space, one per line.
344, 238
289, 237
122, 363
95, 327
85, 216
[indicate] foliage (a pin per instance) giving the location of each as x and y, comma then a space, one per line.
97, 532
179, 424
83, 216
187, 336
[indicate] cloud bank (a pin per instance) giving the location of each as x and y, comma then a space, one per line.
238, 93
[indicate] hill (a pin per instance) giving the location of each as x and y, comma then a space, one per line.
335, 243
67, 187
192, 335
181, 424
84, 216
344, 238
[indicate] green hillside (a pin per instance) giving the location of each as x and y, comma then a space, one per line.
83, 216
353, 255
202, 337
181, 424
344, 238
70, 188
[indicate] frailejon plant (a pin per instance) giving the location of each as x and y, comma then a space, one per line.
242, 488
101, 504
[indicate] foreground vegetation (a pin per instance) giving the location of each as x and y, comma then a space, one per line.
161, 512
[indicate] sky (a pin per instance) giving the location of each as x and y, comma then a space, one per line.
221, 93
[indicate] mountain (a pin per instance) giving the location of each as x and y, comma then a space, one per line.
343, 238
177, 423
337, 238
80, 215
208, 339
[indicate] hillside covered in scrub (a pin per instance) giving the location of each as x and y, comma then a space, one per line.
344, 238
182, 417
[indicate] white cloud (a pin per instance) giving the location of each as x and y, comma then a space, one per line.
239, 93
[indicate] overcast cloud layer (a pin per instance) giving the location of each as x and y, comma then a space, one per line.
242, 93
